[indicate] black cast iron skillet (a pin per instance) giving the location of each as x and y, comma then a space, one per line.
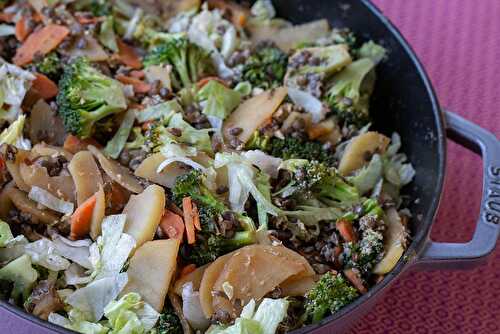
404, 101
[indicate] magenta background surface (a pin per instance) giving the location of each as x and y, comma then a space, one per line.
458, 42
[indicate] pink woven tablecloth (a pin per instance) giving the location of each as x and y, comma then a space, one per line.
459, 43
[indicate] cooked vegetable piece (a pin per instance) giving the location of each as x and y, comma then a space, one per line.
253, 113
172, 225
98, 214
350, 93
289, 38
151, 270
210, 276
40, 42
297, 286
149, 166
359, 150
73, 144
93, 51
81, 219
21, 273
194, 277
60, 186
43, 86
24, 204
252, 273
144, 212
13, 167
190, 62
266, 67
42, 118
86, 175
128, 56
395, 242
330, 294
117, 172
87, 96
187, 207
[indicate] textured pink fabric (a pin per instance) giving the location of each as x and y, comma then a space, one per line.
459, 43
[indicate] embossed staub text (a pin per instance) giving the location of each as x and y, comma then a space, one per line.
492, 204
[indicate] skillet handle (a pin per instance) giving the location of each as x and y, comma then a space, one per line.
440, 255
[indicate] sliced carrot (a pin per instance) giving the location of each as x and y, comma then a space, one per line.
187, 207
40, 42
200, 84
37, 17
128, 56
137, 74
84, 19
346, 230
355, 279
196, 217
22, 29
82, 217
5, 17
139, 86
172, 225
73, 144
237, 13
45, 87
186, 270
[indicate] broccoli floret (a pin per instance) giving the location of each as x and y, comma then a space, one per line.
50, 65
330, 294
87, 96
189, 61
139, 140
294, 148
96, 7
191, 184
266, 67
314, 179
369, 250
210, 244
168, 322
349, 95
309, 67
157, 136
258, 141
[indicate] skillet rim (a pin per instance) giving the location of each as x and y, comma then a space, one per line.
420, 239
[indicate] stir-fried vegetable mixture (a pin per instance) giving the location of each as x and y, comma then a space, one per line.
190, 166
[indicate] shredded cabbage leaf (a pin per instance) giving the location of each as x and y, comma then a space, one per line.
218, 100
48, 200
263, 321
13, 135
14, 84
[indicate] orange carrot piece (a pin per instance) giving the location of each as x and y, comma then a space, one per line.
45, 87
238, 14
196, 218
4, 17
356, 280
40, 42
172, 225
128, 56
200, 84
82, 217
138, 74
187, 207
82, 19
186, 270
73, 144
346, 230
22, 29
139, 86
